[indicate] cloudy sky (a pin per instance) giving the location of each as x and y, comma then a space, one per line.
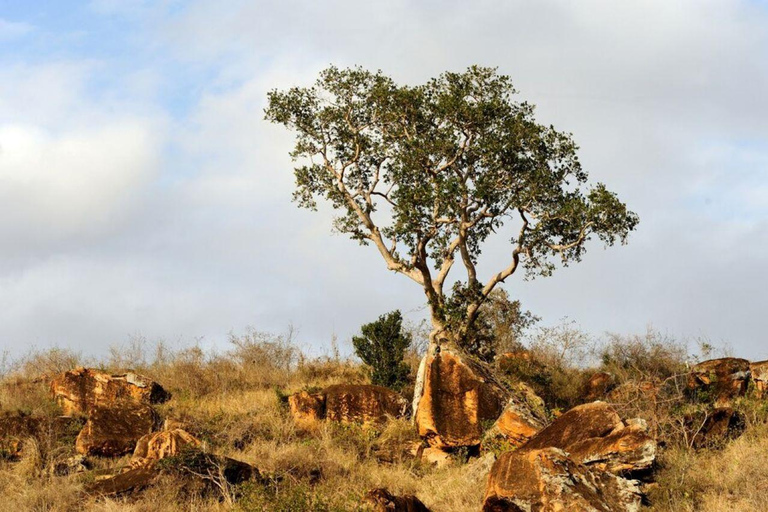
141, 192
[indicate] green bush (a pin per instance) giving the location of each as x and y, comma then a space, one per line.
382, 347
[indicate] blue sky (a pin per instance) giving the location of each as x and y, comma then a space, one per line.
142, 193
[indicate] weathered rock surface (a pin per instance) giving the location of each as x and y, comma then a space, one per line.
759, 371
361, 403
436, 457
113, 431
307, 409
524, 415
719, 380
597, 386
16, 427
159, 445
547, 480
346, 403
460, 397
79, 390
594, 434
711, 428
132, 480
384, 501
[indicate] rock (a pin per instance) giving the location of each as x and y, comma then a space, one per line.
719, 380
77, 391
114, 431
436, 457
307, 409
597, 386
524, 415
159, 445
131, 480
460, 398
16, 427
594, 434
383, 501
71, 465
546, 480
714, 427
759, 371
362, 403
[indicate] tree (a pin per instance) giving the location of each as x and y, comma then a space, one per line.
382, 347
499, 327
427, 173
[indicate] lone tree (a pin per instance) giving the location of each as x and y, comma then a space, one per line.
382, 347
427, 173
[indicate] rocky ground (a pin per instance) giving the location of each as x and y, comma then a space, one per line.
265, 428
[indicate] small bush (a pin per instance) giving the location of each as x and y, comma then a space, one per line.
382, 347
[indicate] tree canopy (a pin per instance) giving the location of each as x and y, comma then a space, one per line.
426, 173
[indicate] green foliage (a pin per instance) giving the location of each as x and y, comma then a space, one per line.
382, 347
427, 173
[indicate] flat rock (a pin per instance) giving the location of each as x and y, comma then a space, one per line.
547, 480
362, 403
594, 434
121, 483
719, 380
79, 390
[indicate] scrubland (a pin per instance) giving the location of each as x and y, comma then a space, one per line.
235, 402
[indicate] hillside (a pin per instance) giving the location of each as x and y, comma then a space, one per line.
237, 407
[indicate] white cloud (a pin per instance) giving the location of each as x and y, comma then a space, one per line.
14, 29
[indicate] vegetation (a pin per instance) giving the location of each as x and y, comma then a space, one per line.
427, 173
382, 347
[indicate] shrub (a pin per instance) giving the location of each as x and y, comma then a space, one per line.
382, 347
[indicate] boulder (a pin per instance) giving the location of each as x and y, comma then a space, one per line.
759, 371
547, 480
713, 427
114, 431
597, 386
524, 415
79, 390
362, 403
459, 398
307, 409
383, 501
121, 483
594, 434
719, 380
16, 427
159, 445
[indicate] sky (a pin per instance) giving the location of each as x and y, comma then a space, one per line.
143, 194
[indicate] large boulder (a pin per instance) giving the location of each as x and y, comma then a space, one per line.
594, 434
719, 380
459, 398
159, 445
307, 409
79, 390
759, 371
547, 480
114, 431
384, 501
346, 403
361, 403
